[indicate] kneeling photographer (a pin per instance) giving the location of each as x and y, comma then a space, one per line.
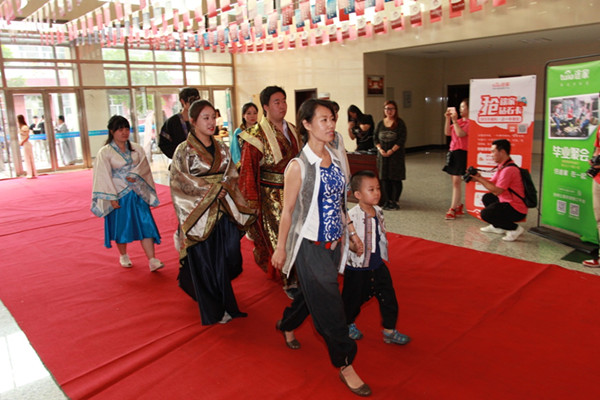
503, 206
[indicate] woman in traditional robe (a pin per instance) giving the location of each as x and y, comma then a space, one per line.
211, 212
122, 193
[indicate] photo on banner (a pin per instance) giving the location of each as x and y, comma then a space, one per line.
571, 126
502, 108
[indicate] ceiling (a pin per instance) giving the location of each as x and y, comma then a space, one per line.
555, 37
582, 34
79, 9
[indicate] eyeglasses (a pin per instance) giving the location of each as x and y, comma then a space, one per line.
389, 108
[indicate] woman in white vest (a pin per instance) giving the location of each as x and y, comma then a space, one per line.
313, 238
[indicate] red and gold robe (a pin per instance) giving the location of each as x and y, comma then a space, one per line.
265, 154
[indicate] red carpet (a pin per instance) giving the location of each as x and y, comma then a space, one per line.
483, 326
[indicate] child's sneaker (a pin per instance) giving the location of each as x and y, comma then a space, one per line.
155, 264
451, 215
353, 332
395, 337
125, 261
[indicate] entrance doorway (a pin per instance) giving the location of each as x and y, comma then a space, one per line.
53, 119
300, 96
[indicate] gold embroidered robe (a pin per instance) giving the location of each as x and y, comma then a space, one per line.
196, 178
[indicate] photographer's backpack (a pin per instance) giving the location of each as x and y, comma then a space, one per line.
531, 196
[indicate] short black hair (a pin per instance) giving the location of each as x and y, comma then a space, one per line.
502, 144
189, 93
357, 178
307, 113
267, 92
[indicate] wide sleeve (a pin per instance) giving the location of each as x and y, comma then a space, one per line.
249, 179
141, 174
103, 189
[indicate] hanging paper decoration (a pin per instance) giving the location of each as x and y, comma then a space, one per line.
331, 9
272, 24
359, 7
476, 5
292, 41
186, 19
415, 14
269, 43
369, 4
305, 11
435, 12
456, 8
316, 18
332, 33
281, 42
299, 21
320, 7
361, 26
258, 26
225, 5
176, 20
211, 6
287, 13
379, 4
379, 23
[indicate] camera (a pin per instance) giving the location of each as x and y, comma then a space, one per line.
468, 176
592, 172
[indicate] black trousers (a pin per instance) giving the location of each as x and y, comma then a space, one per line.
391, 190
360, 286
319, 296
501, 215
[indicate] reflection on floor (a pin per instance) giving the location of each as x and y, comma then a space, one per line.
423, 205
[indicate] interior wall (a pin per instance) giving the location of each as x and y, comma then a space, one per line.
338, 68
428, 79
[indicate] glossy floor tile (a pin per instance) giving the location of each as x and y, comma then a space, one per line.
423, 205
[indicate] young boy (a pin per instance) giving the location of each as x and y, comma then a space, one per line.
367, 275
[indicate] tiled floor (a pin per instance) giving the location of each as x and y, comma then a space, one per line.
423, 205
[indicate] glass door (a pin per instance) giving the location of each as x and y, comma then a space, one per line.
53, 121
6, 167
64, 124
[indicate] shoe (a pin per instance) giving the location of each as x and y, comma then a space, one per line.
593, 263
125, 261
226, 318
294, 344
459, 210
353, 332
394, 206
451, 214
395, 337
511, 236
155, 264
363, 390
492, 229
387, 206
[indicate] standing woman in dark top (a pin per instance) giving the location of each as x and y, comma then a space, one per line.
390, 138
363, 137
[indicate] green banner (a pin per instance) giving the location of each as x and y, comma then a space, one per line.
572, 122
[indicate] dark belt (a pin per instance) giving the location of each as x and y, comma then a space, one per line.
327, 245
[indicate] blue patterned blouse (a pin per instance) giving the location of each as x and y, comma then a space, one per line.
331, 192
